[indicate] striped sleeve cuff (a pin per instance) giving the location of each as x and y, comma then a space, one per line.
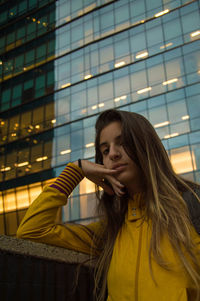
68, 179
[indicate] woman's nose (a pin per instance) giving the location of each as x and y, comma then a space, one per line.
114, 153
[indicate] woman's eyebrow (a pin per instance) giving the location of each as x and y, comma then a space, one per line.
106, 143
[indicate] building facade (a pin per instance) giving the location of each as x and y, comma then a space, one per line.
62, 62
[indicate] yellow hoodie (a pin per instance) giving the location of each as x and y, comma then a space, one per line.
129, 277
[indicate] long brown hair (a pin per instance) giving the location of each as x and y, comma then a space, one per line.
164, 204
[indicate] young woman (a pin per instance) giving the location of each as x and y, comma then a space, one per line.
147, 240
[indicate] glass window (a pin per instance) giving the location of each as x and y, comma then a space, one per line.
107, 20
106, 54
155, 36
1, 204
74, 208
121, 48
6, 94
172, 29
192, 62
78, 100
105, 90
92, 95
191, 21
9, 200
77, 65
138, 42
156, 74
122, 86
63, 106
76, 140
11, 223
138, 80
38, 115
153, 4
40, 82
181, 159
158, 115
193, 106
137, 7
174, 68
19, 61
195, 150
34, 190
87, 202
77, 33
22, 197
17, 91
2, 230
22, 7
41, 52
177, 111
21, 33
121, 14
11, 37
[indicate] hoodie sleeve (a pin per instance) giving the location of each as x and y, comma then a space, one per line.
39, 223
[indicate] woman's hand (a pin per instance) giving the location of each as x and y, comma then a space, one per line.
97, 173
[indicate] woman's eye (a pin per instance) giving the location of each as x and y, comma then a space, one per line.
105, 152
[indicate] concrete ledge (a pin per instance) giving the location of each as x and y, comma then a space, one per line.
40, 250
39, 272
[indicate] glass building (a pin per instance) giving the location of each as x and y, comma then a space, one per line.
62, 62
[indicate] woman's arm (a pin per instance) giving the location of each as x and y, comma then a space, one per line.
39, 223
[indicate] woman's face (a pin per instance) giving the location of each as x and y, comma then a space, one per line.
115, 157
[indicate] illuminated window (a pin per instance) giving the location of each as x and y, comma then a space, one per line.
34, 190
86, 186
9, 200
182, 160
22, 197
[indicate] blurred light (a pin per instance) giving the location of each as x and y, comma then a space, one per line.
88, 76
120, 98
101, 105
185, 117
94, 107
66, 85
89, 144
21, 164
173, 80
2, 122
144, 90
1, 62
33, 19
166, 45
41, 158
141, 55
53, 121
171, 135
195, 33
117, 65
161, 13
13, 135
158, 125
66, 151
5, 168
37, 126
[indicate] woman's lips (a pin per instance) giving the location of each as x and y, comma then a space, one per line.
120, 167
